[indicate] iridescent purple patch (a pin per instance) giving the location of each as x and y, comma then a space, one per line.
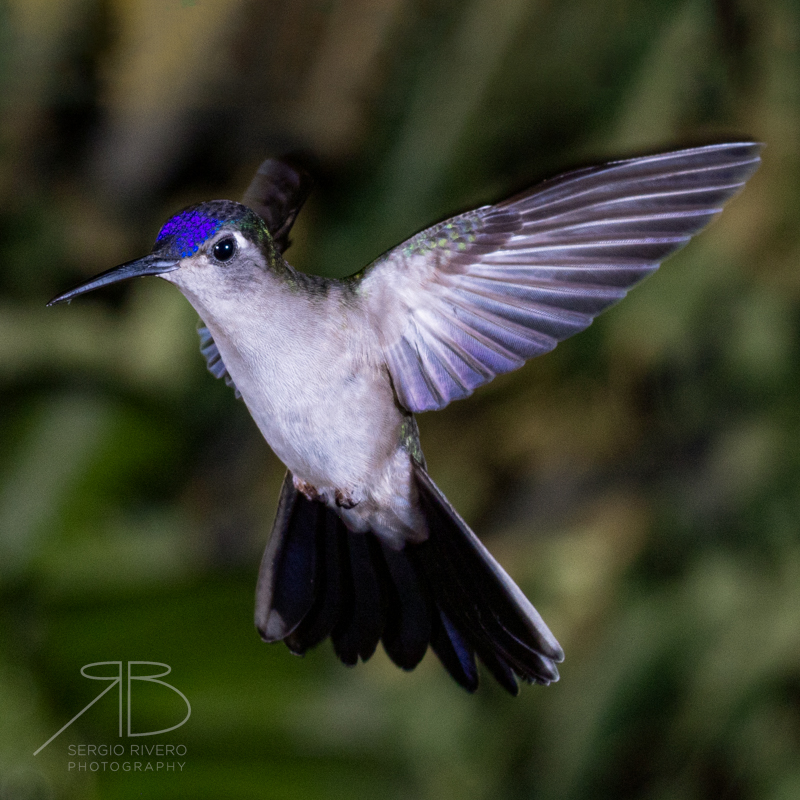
190, 229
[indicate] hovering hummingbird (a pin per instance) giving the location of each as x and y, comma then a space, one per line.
365, 548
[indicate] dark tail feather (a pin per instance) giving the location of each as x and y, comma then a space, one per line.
361, 623
319, 579
479, 598
409, 607
456, 655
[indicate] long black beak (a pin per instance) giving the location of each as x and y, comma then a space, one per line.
149, 265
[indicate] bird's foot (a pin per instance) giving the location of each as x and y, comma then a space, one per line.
307, 489
344, 500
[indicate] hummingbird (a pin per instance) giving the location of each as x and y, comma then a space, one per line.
365, 548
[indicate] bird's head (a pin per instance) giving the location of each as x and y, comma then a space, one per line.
201, 249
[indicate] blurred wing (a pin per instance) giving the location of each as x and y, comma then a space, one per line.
276, 194
477, 295
214, 362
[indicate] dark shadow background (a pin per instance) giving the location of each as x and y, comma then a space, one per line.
641, 483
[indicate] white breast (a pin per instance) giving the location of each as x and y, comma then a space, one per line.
315, 388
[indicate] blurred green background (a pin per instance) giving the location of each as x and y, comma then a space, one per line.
641, 483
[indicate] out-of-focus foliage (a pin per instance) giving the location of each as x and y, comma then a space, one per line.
642, 482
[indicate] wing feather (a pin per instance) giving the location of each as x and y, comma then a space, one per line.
477, 295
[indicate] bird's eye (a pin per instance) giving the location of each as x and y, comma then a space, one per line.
224, 249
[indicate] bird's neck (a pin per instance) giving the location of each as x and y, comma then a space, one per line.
256, 321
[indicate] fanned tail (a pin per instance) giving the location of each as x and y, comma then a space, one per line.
320, 580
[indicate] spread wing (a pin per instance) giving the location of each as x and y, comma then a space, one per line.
477, 295
276, 193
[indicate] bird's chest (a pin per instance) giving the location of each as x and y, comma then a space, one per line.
326, 411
